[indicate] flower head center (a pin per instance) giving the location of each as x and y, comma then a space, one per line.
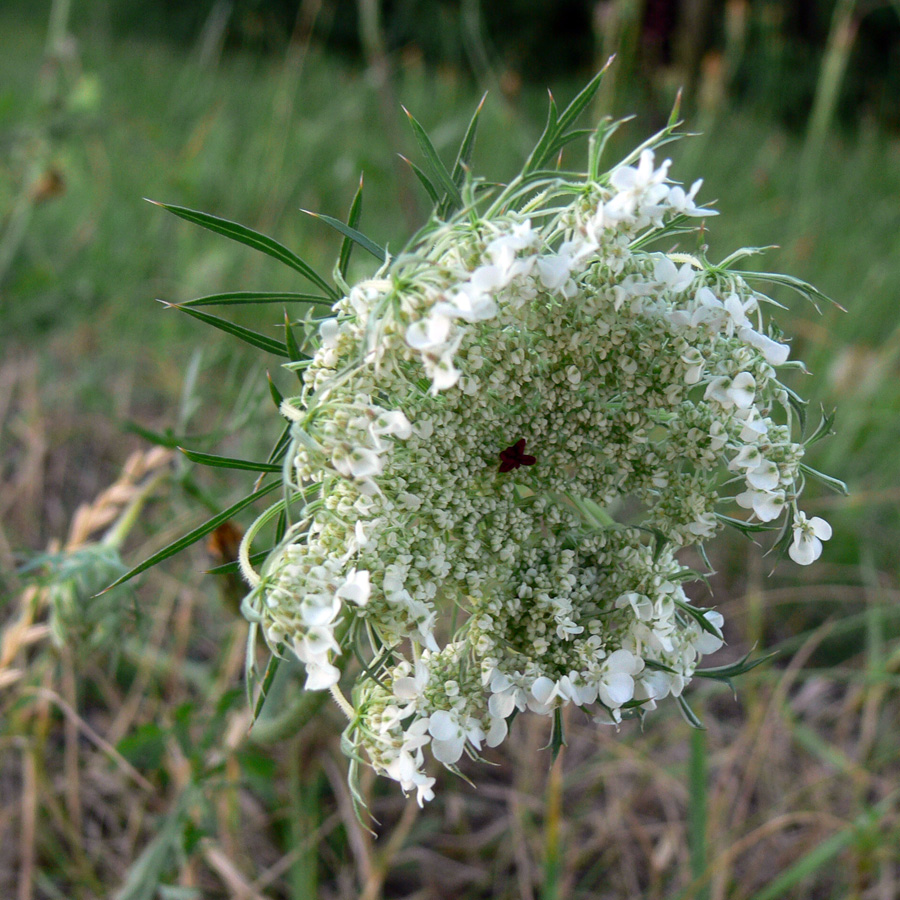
514, 456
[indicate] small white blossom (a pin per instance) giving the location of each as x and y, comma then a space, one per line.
808, 536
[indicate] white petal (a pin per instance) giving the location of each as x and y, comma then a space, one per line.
502, 705
364, 462
497, 732
805, 549
448, 752
764, 477
543, 689
821, 529
356, 588
616, 689
742, 390
623, 661
443, 726
321, 676
775, 354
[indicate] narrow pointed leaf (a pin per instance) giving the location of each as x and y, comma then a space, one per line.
277, 396
234, 568
154, 437
351, 234
745, 527
833, 484
254, 338
353, 218
741, 667
689, 715
804, 288
539, 155
824, 428
238, 298
193, 536
281, 444
582, 99
437, 167
251, 238
697, 615
425, 181
293, 348
466, 147
227, 462
675, 115
268, 678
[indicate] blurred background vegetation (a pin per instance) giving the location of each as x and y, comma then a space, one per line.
125, 765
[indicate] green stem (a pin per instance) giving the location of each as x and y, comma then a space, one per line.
697, 810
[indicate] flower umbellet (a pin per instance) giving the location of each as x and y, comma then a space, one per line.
545, 315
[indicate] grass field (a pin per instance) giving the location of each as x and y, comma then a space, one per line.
125, 767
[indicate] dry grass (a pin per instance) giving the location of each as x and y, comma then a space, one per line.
132, 765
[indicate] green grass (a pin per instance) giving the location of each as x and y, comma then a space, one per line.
799, 780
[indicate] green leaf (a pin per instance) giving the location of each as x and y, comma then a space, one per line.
154, 437
352, 220
227, 462
281, 444
251, 238
582, 99
674, 116
697, 615
733, 670
804, 288
606, 128
556, 134
234, 568
193, 536
425, 181
437, 167
833, 484
467, 146
557, 734
689, 715
290, 342
277, 396
745, 527
237, 298
254, 338
351, 234
540, 155
461, 164
268, 678
824, 428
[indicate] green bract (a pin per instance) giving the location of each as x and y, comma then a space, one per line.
504, 439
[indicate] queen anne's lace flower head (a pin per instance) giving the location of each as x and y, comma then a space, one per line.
518, 426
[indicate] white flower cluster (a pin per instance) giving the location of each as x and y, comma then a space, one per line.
515, 429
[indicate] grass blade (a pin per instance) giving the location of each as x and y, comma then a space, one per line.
822, 854
228, 462
351, 234
193, 536
251, 238
697, 810
254, 338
